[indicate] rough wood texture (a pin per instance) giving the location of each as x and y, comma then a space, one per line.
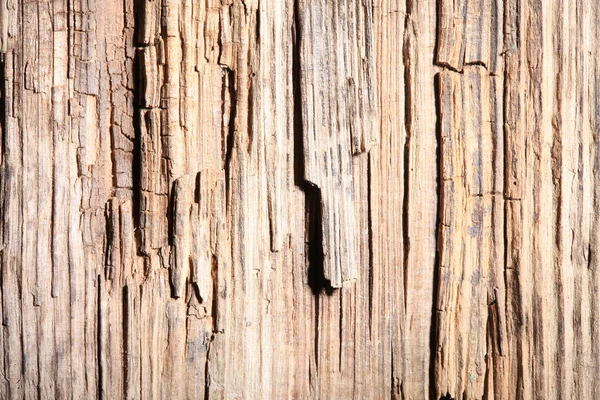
299, 199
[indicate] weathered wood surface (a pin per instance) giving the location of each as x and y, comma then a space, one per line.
299, 199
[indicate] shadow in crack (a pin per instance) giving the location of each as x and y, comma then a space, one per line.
313, 215
316, 277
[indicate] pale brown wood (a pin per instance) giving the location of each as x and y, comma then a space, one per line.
299, 199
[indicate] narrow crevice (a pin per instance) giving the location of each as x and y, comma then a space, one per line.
313, 199
3, 100
171, 239
341, 332
250, 114
476, 64
109, 240
393, 395
197, 188
171, 215
406, 154
436, 274
214, 273
24, 357
229, 90
370, 228
257, 27
194, 289
207, 367
126, 335
4, 171
316, 276
506, 157
139, 9
113, 147
317, 328
436, 44
136, 167
99, 336
490, 328
297, 110
70, 38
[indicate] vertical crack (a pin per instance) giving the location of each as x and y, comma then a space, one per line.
316, 276
314, 202
407, 128
99, 336
3, 100
370, 228
136, 168
229, 89
437, 261
126, 336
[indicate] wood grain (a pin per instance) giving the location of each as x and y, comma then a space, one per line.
299, 199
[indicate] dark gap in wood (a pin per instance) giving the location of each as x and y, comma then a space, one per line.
192, 282
297, 100
313, 203
316, 274
3, 100
206, 369
491, 326
475, 64
438, 223
125, 338
215, 323
171, 214
406, 153
252, 89
316, 340
99, 335
139, 9
109, 239
5, 173
370, 227
171, 262
215, 294
197, 187
136, 167
507, 159
113, 140
393, 392
257, 28
340, 331
229, 89
438, 18
556, 162
22, 340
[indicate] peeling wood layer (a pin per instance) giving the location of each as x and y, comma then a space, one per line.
337, 86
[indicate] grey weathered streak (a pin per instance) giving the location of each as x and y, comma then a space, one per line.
299, 199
